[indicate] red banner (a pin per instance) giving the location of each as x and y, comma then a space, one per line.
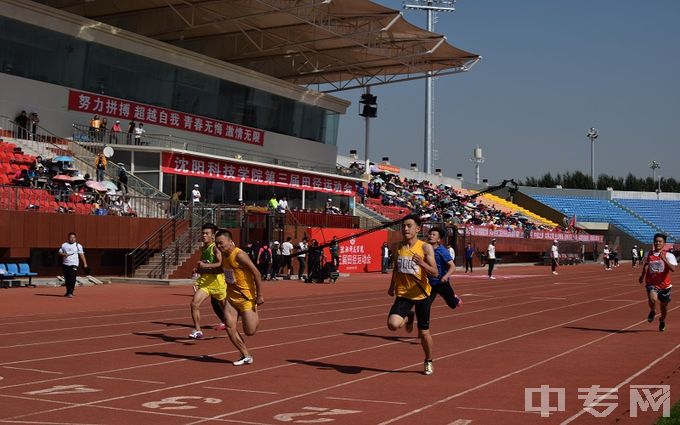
139, 112
501, 232
358, 255
196, 166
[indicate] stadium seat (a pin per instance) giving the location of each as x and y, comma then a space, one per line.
4, 274
25, 271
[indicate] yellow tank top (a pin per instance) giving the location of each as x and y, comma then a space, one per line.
409, 275
239, 280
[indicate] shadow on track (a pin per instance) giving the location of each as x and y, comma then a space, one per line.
181, 325
611, 331
185, 340
404, 339
202, 359
351, 370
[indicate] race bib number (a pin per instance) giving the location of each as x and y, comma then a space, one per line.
406, 265
229, 276
656, 266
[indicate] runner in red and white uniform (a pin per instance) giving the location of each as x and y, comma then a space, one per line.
656, 273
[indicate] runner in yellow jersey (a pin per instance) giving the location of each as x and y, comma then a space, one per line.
414, 260
211, 282
244, 293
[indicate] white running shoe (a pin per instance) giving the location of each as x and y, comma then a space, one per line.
554, 272
196, 334
243, 361
428, 367
492, 278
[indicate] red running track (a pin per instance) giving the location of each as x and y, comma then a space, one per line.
119, 354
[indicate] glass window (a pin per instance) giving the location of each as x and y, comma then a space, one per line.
147, 161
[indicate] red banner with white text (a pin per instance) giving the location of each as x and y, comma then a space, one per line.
197, 166
124, 109
357, 255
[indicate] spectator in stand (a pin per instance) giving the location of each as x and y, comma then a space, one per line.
34, 120
282, 206
286, 251
127, 208
103, 129
384, 257
122, 178
95, 123
301, 247
22, 125
114, 135
362, 193
174, 203
273, 203
130, 132
195, 195
491, 257
469, 253
100, 165
139, 134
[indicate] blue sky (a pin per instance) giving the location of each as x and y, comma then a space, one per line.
550, 70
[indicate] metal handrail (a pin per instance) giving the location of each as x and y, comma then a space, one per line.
83, 134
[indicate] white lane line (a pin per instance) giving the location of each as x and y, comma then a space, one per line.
131, 380
627, 380
240, 390
96, 402
498, 410
366, 400
548, 298
280, 344
518, 371
33, 370
621, 301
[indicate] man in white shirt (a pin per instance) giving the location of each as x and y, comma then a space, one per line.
195, 195
302, 246
605, 255
491, 257
71, 254
634, 255
282, 206
554, 256
286, 250
139, 133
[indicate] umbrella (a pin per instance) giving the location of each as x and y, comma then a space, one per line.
109, 185
98, 186
62, 159
67, 178
390, 193
378, 180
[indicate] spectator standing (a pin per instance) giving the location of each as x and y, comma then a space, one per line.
286, 251
605, 254
384, 257
100, 165
114, 136
264, 261
491, 257
195, 195
554, 257
314, 259
334, 249
22, 125
130, 132
122, 178
302, 247
276, 259
282, 206
174, 202
34, 120
469, 253
139, 134
273, 203
72, 254
95, 123
450, 248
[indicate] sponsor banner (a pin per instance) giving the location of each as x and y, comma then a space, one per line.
147, 114
210, 168
357, 255
535, 234
389, 168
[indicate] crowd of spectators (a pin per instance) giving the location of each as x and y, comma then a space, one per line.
416, 195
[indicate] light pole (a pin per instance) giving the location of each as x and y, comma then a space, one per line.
654, 165
592, 135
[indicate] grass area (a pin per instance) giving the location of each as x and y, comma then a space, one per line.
674, 418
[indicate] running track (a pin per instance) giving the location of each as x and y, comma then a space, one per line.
118, 354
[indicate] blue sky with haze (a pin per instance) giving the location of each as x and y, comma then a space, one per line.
550, 70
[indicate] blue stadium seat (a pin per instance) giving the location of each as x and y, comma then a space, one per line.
16, 271
601, 211
4, 274
663, 214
